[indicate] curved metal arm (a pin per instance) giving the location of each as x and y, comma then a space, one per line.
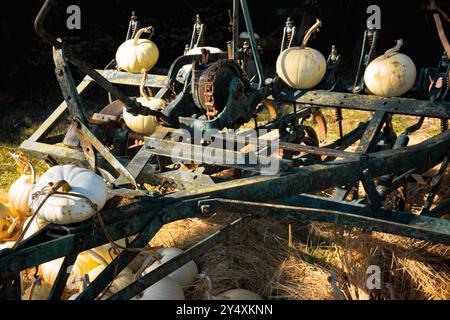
39, 24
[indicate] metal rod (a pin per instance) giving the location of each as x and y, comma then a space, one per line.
251, 36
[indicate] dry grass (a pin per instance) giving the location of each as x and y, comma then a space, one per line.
258, 258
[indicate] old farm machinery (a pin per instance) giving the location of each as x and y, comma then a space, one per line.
211, 96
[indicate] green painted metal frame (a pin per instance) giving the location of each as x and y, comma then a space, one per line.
284, 194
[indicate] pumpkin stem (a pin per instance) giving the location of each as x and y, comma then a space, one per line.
142, 90
28, 164
208, 280
311, 31
148, 30
85, 282
393, 50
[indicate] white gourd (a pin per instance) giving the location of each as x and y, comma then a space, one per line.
302, 67
138, 55
107, 252
145, 125
164, 289
83, 265
234, 294
68, 209
198, 50
36, 225
123, 279
20, 191
239, 294
39, 290
5, 222
185, 275
7, 245
392, 74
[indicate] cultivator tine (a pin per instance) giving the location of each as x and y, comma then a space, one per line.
435, 185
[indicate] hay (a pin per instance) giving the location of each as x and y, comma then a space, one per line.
258, 258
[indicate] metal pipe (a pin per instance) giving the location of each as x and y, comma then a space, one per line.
251, 37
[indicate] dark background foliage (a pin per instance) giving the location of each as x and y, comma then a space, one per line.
28, 81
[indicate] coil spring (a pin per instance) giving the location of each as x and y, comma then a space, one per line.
288, 39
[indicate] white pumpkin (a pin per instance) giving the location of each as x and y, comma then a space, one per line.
392, 74
234, 294
145, 125
123, 279
36, 225
164, 289
302, 67
5, 222
198, 50
20, 190
67, 209
185, 275
83, 265
7, 245
138, 55
239, 294
40, 290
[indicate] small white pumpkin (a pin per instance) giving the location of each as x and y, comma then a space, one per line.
392, 74
185, 275
20, 191
164, 289
302, 67
145, 125
239, 294
138, 55
67, 209
198, 50
5, 222
234, 294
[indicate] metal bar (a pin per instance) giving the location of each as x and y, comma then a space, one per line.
391, 222
45, 151
235, 44
251, 37
121, 261
87, 134
217, 156
35, 255
68, 87
136, 165
370, 189
125, 78
61, 279
405, 106
173, 264
435, 185
369, 138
